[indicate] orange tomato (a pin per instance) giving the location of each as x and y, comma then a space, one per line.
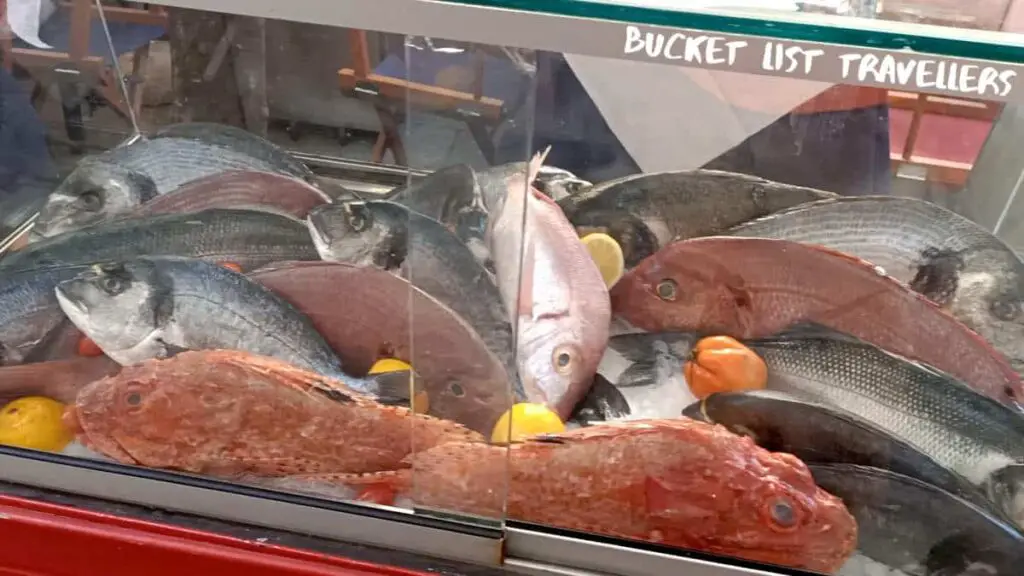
721, 364
88, 348
231, 266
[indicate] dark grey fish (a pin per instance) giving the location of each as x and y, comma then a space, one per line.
462, 198
241, 141
248, 238
822, 434
962, 430
392, 237
944, 256
146, 308
29, 310
917, 528
640, 376
647, 211
120, 179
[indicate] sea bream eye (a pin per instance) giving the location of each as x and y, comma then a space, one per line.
112, 284
91, 200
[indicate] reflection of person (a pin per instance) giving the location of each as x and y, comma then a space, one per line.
837, 141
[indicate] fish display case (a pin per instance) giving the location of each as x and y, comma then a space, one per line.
611, 288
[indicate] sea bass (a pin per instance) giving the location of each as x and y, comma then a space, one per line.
156, 307
820, 433
963, 430
948, 258
675, 482
239, 189
241, 141
230, 414
248, 238
392, 237
753, 288
916, 528
560, 301
117, 181
645, 212
386, 317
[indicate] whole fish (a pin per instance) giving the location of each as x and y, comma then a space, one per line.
914, 527
239, 189
458, 197
674, 482
157, 307
119, 180
248, 238
391, 237
948, 258
645, 212
229, 414
241, 141
819, 433
754, 287
640, 376
386, 317
559, 302
961, 429
29, 309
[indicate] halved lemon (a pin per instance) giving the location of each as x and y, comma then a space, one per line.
34, 422
527, 420
607, 254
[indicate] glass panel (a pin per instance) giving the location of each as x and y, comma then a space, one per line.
262, 261
786, 259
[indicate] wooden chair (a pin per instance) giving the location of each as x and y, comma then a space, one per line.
391, 94
924, 107
81, 57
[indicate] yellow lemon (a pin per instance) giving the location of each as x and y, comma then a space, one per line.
420, 400
527, 420
34, 422
607, 254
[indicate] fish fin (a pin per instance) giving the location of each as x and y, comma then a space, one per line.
536, 163
167, 350
1005, 488
602, 403
331, 392
938, 274
811, 329
394, 388
143, 184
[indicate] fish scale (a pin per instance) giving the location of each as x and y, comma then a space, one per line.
890, 232
247, 238
171, 162
961, 429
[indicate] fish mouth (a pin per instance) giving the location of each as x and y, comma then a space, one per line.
112, 449
322, 242
73, 307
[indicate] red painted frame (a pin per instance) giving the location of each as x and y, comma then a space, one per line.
43, 539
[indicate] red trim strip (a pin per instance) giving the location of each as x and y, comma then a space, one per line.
44, 539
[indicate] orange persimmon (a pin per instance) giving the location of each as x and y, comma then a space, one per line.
721, 364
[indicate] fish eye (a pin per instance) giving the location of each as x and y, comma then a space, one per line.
456, 389
667, 289
111, 284
562, 359
1005, 310
782, 513
91, 200
133, 399
356, 217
